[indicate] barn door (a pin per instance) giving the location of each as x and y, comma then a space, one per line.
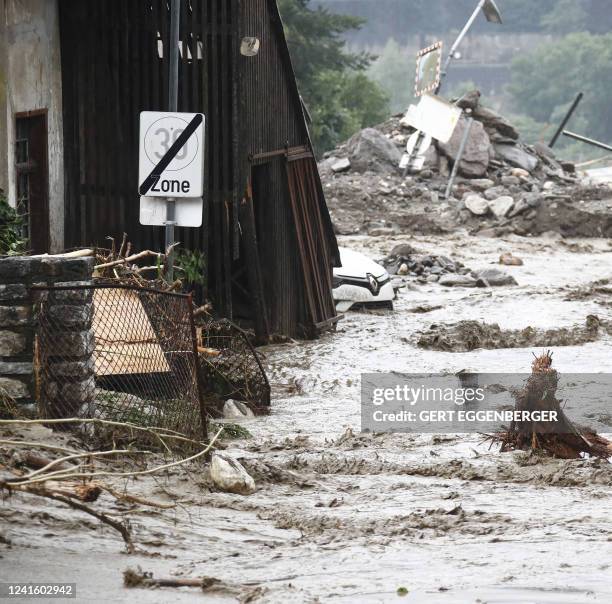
312, 239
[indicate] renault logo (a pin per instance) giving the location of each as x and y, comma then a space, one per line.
374, 286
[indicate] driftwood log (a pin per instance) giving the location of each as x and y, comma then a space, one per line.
565, 441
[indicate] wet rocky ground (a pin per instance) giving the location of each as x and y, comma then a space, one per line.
345, 516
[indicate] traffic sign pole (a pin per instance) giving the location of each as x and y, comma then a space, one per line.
173, 57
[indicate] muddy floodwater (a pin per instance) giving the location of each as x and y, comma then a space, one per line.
341, 516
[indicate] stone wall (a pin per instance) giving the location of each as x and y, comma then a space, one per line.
70, 312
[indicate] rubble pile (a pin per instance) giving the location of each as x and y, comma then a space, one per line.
503, 185
405, 261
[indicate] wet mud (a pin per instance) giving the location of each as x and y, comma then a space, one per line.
466, 336
345, 516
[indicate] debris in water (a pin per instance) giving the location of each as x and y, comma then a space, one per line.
567, 442
466, 336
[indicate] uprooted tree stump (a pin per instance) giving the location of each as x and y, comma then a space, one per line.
563, 440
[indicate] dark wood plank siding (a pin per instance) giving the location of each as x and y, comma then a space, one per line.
114, 65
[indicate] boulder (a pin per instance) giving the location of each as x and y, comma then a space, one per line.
520, 173
229, 476
501, 206
495, 121
404, 250
369, 149
477, 153
519, 207
481, 184
476, 204
509, 260
342, 165
517, 156
454, 280
510, 181
236, 410
470, 100
495, 192
494, 277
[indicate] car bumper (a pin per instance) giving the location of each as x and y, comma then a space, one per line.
356, 294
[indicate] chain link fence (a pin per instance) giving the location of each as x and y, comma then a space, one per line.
230, 366
121, 354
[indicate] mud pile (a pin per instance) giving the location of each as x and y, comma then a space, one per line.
503, 185
466, 336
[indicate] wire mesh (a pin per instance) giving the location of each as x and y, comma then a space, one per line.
230, 366
120, 354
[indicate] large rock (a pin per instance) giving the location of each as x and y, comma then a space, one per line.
457, 281
501, 206
495, 192
478, 150
372, 150
476, 204
342, 165
11, 343
494, 277
229, 476
517, 156
495, 121
236, 410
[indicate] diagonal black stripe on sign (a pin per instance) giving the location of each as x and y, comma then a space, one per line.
165, 161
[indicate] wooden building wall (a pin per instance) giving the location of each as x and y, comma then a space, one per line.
114, 65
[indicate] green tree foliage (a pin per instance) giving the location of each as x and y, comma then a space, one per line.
566, 17
332, 80
11, 241
545, 82
394, 71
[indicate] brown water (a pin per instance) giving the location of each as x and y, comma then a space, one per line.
344, 517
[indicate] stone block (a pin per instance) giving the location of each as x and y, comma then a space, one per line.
72, 296
71, 369
14, 316
74, 345
16, 268
8, 368
12, 343
14, 388
13, 292
70, 316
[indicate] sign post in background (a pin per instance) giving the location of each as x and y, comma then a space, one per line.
171, 158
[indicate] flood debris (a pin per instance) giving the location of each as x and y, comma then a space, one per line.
503, 184
567, 441
74, 479
405, 261
466, 336
139, 578
230, 476
508, 259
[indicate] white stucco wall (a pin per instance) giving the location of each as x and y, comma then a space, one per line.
30, 79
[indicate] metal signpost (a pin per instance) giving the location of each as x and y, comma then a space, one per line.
566, 119
171, 161
425, 69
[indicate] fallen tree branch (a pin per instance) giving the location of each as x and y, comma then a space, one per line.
23, 443
73, 475
130, 259
118, 526
94, 454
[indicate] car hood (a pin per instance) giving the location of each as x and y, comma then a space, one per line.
358, 265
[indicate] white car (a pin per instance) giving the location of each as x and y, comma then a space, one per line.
360, 280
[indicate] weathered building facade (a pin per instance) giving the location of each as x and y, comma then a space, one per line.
75, 76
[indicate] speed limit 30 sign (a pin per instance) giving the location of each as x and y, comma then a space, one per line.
171, 154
